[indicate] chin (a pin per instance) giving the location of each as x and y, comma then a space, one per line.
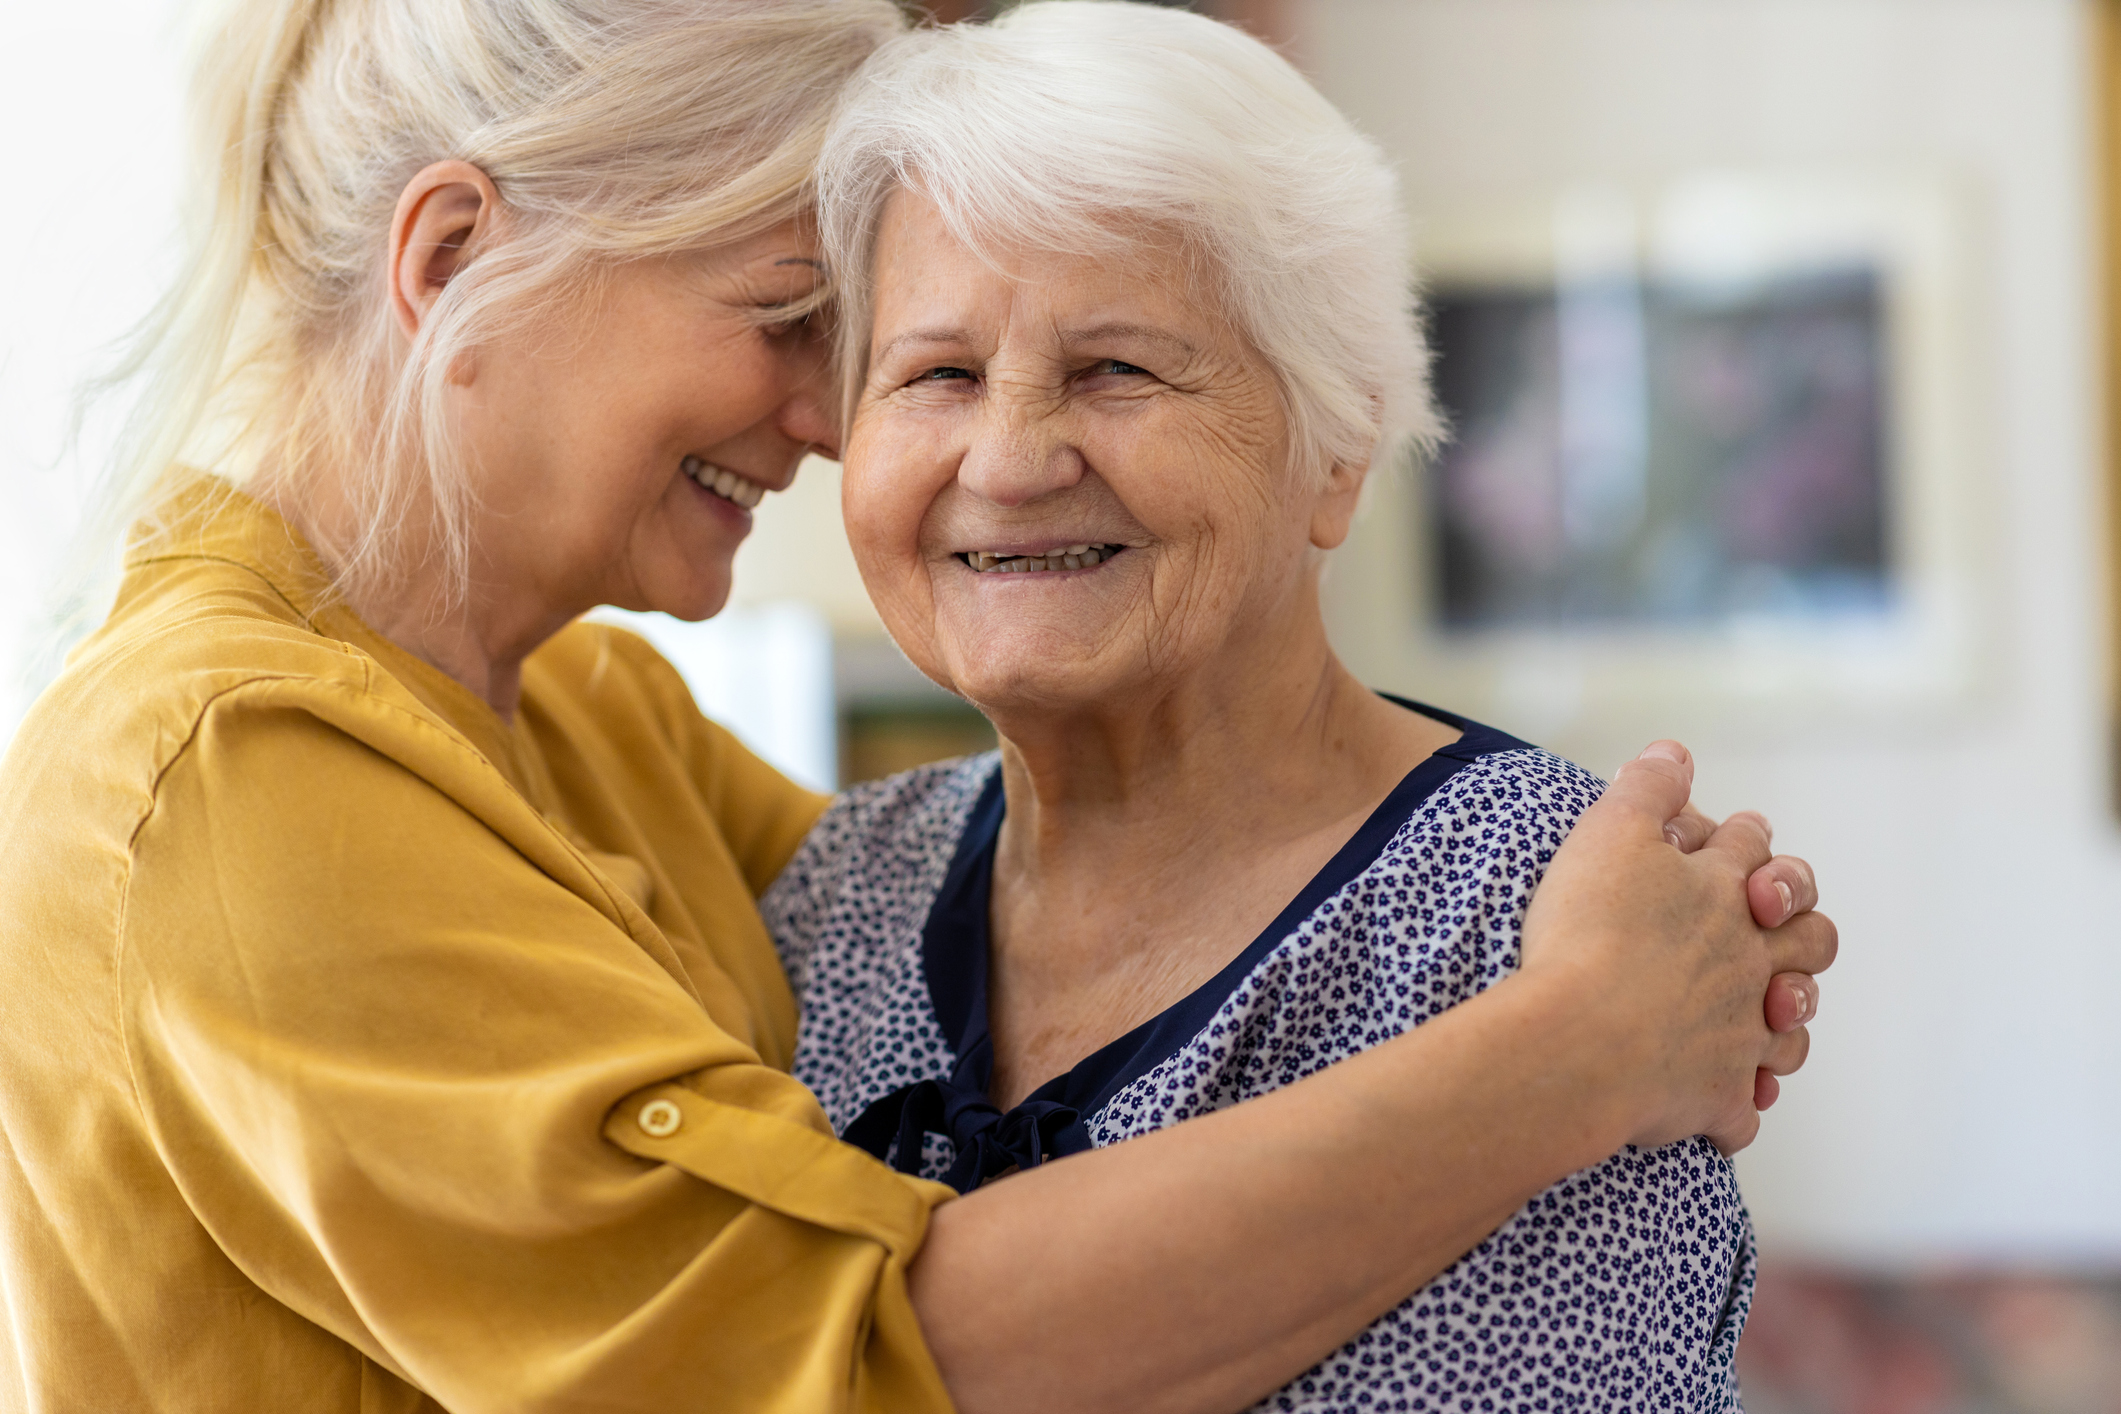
1019, 676
699, 599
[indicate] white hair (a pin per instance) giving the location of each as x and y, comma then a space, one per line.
1097, 126
612, 129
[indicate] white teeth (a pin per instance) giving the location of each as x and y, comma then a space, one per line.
724, 483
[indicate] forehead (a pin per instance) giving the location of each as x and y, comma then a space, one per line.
927, 278
790, 248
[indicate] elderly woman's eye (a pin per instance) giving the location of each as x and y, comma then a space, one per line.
937, 375
1113, 365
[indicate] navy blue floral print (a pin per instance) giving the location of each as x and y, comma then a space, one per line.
1624, 1287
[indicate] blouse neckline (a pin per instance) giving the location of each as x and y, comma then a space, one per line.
1050, 1121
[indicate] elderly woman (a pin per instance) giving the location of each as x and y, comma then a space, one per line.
391, 1024
1131, 333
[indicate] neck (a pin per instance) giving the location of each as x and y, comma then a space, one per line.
478, 638
484, 655
1145, 842
1270, 740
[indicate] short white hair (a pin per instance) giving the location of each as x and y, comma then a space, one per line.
1098, 126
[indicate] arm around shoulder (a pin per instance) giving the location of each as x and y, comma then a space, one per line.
1213, 1261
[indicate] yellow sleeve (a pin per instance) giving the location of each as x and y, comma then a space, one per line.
762, 814
395, 1051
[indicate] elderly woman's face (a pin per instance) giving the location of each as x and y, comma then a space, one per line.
1013, 417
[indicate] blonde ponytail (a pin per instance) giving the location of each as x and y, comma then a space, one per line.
613, 130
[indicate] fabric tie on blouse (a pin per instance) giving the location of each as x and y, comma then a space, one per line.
989, 1142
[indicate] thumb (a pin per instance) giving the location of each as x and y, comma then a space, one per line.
1650, 790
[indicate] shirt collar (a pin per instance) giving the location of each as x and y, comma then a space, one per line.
204, 517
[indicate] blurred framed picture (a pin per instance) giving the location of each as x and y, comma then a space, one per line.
1710, 455
1728, 456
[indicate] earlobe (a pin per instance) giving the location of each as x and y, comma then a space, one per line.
444, 213
1333, 514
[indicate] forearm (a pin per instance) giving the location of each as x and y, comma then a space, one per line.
1203, 1266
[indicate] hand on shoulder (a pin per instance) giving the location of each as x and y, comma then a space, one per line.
1689, 946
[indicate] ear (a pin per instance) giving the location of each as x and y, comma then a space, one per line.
1333, 512
442, 213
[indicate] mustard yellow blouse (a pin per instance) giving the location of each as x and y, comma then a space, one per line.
359, 1051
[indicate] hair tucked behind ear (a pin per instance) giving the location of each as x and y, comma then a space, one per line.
613, 129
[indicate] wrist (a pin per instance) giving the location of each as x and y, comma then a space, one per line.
1583, 1070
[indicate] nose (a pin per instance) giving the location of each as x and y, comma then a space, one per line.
1011, 460
810, 416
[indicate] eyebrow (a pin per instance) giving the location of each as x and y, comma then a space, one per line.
924, 336
1069, 337
1116, 329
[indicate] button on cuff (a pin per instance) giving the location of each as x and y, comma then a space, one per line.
659, 1119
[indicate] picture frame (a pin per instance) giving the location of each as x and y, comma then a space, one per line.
1907, 654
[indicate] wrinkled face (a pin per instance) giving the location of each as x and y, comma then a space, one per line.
1067, 479
620, 447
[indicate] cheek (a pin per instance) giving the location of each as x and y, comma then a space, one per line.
892, 477
1191, 481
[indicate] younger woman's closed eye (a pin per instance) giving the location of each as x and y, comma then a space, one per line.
802, 326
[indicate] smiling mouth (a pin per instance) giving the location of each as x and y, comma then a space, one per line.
723, 482
1072, 557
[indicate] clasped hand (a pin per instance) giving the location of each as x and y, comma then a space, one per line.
1693, 945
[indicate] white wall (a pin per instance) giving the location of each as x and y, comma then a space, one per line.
1962, 1100
88, 129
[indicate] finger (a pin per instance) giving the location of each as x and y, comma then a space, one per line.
1743, 840
1737, 1131
1766, 1090
1652, 789
1792, 1000
1781, 888
1807, 944
1689, 830
1786, 1054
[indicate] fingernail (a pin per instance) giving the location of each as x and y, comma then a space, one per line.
1782, 891
1671, 837
1663, 751
1804, 1003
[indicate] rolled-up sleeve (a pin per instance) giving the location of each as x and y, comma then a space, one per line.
439, 1094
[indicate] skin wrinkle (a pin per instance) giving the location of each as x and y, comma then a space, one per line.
1180, 748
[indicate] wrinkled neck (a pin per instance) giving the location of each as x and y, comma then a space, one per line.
1162, 772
